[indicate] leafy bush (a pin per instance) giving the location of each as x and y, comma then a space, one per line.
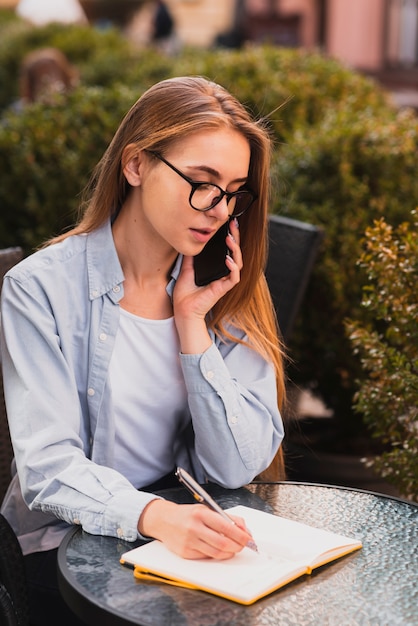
7, 18
342, 175
265, 78
388, 349
292, 88
101, 56
47, 154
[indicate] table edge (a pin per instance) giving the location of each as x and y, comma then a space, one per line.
339, 487
73, 592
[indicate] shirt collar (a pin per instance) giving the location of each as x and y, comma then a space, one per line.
105, 273
174, 275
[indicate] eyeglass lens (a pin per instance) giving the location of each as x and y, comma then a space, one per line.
206, 196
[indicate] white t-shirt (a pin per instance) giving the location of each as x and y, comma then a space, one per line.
149, 397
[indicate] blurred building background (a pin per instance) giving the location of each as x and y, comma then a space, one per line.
375, 36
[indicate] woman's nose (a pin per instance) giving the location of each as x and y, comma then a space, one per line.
220, 210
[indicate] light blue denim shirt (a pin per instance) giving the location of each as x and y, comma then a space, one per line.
60, 315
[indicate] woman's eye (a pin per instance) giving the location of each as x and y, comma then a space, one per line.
207, 187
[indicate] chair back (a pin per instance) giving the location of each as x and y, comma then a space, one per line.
293, 247
14, 603
8, 258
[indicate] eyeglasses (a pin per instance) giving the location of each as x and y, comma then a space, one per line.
204, 196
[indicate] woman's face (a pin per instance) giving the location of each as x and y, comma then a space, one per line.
221, 157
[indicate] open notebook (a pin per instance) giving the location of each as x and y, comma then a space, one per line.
287, 550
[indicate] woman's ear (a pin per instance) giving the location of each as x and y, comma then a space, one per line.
132, 159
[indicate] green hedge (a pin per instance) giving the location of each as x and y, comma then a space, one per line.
387, 343
47, 154
342, 158
292, 88
342, 175
102, 57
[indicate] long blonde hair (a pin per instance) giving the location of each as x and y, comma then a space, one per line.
172, 109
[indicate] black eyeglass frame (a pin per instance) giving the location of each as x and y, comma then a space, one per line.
195, 184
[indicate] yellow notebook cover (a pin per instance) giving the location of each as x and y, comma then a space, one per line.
287, 550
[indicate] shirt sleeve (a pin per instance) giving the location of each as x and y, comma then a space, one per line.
233, 401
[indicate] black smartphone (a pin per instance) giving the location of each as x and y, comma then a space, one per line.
209, 264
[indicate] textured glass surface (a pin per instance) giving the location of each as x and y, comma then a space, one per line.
375, 586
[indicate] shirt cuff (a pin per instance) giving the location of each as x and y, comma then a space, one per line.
123, 512
204, 372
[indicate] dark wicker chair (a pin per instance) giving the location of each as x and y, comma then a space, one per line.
293, 247
8, 258
14, 609
293, 250
14, 605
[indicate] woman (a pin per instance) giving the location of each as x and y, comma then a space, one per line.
117, 367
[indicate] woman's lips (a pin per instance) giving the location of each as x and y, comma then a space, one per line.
202, 235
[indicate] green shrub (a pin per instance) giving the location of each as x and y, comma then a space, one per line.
342, 175
7, 18
292, 88
101, 56
388, 348
53, 149
47, 154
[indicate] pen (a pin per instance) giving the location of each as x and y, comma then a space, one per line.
202, 496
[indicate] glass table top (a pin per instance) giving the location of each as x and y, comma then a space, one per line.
375, 586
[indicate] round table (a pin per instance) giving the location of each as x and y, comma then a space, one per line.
375, 586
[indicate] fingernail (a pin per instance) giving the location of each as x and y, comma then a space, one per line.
236, 222
252, 545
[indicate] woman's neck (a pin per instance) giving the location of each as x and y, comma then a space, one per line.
146, 263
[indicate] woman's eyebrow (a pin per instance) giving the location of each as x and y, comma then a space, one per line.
215, 173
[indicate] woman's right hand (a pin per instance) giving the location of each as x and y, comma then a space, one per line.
191, 303
193, 531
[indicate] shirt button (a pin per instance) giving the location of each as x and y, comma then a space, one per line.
102, 336
94, 293
234, 419
76, 520
119, 532
90, 392
116, 289
210, 375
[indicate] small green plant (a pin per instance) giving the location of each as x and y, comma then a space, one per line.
388, 350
